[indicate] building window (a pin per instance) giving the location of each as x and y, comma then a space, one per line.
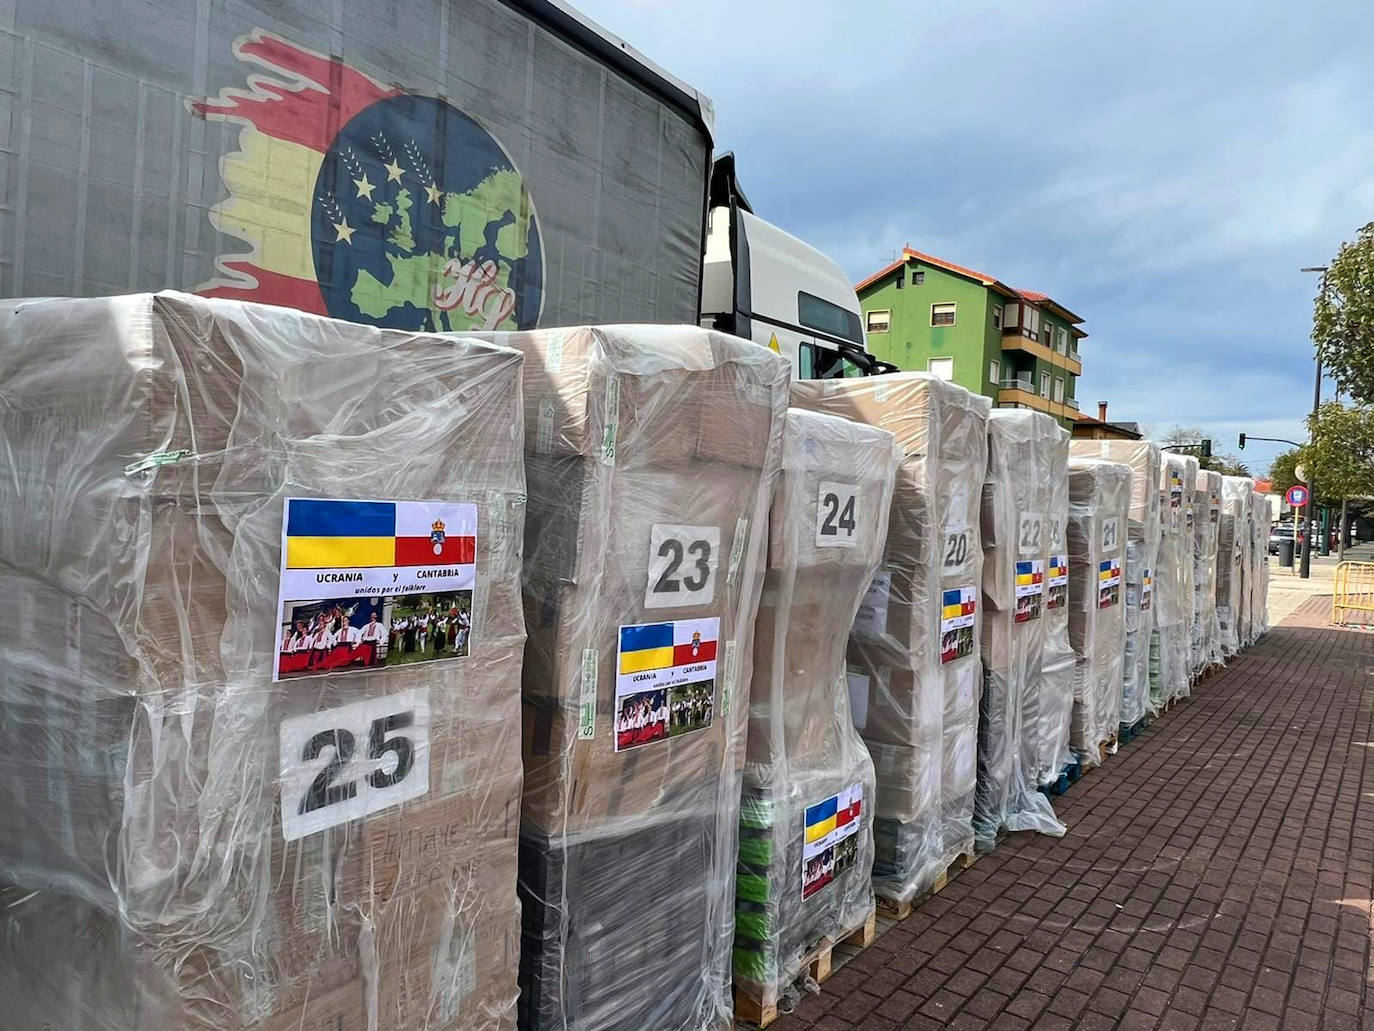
942, 368
1059, 390
942, 314
997, 316
1045, 336
1061, 340
1044, 384
918, 277
901, 279
880, 321
994, 371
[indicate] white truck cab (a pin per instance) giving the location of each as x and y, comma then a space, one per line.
766, 285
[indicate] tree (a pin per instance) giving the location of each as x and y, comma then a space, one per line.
1339, 455
1226, 464
1343, 317
1281, 470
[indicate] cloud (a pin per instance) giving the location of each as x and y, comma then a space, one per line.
1163, 169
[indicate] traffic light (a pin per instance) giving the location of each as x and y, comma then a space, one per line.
1242, 441
1206, 448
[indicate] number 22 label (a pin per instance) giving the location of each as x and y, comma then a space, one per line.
341, 764
682, 565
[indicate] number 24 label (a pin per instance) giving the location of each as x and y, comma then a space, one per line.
682, 565
341, 764
835, 522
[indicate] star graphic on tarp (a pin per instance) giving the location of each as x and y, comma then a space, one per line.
434, 194
344, 231
393, 171
365, 188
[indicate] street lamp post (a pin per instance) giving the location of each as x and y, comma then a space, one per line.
1305, 570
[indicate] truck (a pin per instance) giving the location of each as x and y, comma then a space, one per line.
479, 164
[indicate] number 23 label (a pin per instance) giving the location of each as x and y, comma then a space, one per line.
682, 565
341, 764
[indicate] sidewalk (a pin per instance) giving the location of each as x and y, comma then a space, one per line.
1217, 873
1288, 591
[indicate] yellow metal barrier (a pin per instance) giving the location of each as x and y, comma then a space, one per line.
1352, 598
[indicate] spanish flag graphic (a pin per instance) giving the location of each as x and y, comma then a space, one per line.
352, 198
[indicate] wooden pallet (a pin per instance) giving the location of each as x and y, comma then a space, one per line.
900, 910
816, 964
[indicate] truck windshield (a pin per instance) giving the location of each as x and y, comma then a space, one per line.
828, 318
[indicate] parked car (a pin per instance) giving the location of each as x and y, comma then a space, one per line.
1277, 533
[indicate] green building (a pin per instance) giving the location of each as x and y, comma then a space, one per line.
1018, 347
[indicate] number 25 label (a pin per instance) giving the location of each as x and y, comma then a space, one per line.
682, 565
341, 764
835, 521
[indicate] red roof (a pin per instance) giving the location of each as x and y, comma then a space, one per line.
1264, 486
992, 282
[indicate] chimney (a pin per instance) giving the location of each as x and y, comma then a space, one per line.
1102, 411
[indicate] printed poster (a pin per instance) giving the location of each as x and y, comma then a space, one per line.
665, 680
1147, 590
830, 843
958, 613
367, 584
1030, 590
1057, 582
1108, 583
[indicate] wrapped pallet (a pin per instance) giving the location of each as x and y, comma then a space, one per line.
232, 795
806, 819
1205, 647
1232, 549
913, 650
1052, 755
1099, 500
1259, 566
1017, 499
652, 453
1174, 579
1142, 552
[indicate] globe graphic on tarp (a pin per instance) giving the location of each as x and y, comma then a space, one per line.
420, 221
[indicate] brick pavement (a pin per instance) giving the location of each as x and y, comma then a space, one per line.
1217, 873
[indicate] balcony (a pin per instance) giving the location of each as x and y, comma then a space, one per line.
1014, 340
1019, 390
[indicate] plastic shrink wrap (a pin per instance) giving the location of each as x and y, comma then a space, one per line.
1174, 582
1205, 648
1232, 550
1052, 755
1259, 565
921, 713
806, 818
1142, 553
1099, 501
1017, 498
192, 843
652, 453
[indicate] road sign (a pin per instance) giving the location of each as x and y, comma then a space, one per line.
1296, 496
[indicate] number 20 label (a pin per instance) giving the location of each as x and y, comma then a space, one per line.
341, 764
835, 521
682, 565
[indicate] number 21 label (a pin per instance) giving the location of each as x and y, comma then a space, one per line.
682, 565
341, 764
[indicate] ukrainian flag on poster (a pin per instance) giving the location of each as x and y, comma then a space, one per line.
645, 647
1027, 575
821, 818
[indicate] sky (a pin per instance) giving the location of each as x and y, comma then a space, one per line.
1163, 170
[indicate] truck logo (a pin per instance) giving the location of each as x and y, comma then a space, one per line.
364, 202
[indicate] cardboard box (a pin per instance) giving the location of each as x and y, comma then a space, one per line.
148, 745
